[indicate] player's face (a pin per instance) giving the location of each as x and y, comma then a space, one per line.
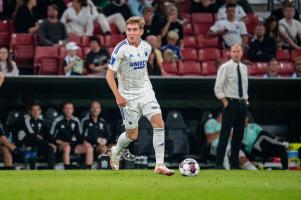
3, 54
35, 111
134, 33
95, 109
68, 110
236, 53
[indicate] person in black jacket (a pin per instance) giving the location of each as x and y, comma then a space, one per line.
95, 128
263, 47
66, 130
26, 20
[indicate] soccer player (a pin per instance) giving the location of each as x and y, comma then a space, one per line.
134, 95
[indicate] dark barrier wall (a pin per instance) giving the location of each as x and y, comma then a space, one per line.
271, 101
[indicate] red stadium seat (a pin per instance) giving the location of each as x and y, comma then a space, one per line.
189, 54
110, 50
188, 30
5, 32
23, 45
85, 41
75, 38
283, 55
295, 53
226, 54
209, 68
252, 22
259, 68
286, 69
189, 42
201, 29
86, 51
209, 54
170, 69
206, 42
113, 40
202, 18
186, 17
47, 61
190, 68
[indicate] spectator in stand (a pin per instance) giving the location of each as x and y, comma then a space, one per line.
243, 3
258, 142
278, 13
272, 30
173, 24
153, 22
25, 20
52, 31
203, 6
63, 129
231, 30
73, 64
172, 39
290, 29
155, 61
77, 19
42, 7
118, 6
262, 48
240, 14
273, 69
137, 6
168, 56
297, 65
7, 66
97, 58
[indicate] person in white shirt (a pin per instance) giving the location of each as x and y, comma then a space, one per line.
134, 94
290, 29
231, 87
77, 19
239, 11
7, 66
231, 30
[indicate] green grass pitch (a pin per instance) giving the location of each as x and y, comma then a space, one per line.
144, 184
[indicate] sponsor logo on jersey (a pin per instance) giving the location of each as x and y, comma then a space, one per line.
138, 64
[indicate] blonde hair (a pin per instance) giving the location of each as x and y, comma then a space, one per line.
168, 56
173, 35
136, 20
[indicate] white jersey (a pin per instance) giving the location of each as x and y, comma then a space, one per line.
130, 63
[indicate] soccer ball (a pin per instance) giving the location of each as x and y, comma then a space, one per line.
189, 167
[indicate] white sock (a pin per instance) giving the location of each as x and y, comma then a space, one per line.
249, 166
159, 145
122, 142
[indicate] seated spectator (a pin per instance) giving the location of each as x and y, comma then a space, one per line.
172, 24
290, 29
272, 30
137, 6
243, 3
77, 19
52, 31
231, 30
278, 13
155, 61
97, 59
63, 129
240, 14
262, 48
104, 22
203, 6
73, 64
168, 56
297, 65
258, 142
211, 128
95, 128
25, 20
273, 69
172, 39
118, 6
7, 66
153, 23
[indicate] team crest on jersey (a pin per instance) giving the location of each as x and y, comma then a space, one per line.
131, 56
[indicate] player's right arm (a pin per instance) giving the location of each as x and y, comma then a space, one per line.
110, 77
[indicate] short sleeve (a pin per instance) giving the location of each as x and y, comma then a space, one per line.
221, 13
282, 26
216, 27
116, 57
243, 28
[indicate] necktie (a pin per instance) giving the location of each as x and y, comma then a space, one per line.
240, 92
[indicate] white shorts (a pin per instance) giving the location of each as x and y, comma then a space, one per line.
145, 105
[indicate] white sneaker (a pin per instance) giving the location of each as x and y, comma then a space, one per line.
114, 158
162, 169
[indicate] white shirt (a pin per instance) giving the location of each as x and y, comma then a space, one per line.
4, 70
130, 63
239, 13
226, 84
81, 24
294, 29
236, 30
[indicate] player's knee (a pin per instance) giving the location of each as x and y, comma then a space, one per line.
67, 149
158, 124
132, 134
89, 149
